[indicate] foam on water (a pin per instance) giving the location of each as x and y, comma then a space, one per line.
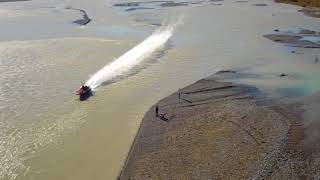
132, 58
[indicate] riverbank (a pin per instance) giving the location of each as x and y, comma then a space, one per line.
311, 7
304, 3
220, 130
49, 134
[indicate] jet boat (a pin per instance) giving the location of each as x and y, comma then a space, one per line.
84, 92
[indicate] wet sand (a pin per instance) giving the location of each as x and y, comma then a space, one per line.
221, 130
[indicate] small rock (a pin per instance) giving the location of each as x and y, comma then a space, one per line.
283, 75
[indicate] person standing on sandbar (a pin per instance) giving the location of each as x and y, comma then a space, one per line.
157, 111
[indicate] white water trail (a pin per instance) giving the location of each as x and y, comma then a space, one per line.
132, 58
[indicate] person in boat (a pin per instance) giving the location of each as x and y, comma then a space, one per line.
84, 88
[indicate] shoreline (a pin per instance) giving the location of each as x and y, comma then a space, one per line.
310, 8
245, 134
302, 3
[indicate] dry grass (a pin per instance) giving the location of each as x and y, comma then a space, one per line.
304, 3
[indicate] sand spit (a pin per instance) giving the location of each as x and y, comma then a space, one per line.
302, 38
300, 158
85, 18
220, 130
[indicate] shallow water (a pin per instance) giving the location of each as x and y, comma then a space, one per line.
46, 133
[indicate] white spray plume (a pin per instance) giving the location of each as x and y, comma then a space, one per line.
133, 57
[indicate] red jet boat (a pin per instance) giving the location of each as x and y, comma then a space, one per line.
84, 92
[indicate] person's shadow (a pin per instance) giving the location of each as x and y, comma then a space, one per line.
163, 118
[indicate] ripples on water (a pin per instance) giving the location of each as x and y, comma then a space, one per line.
33, 113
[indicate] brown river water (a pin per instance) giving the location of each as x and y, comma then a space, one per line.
47, 133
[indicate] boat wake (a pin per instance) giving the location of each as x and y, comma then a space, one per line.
132, 58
